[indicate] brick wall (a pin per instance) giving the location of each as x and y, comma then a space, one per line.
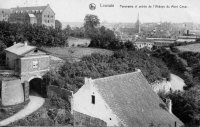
82, 120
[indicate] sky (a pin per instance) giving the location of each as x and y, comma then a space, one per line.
75, 10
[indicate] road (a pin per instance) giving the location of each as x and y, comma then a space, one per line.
35, 103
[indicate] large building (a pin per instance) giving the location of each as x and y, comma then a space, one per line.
124, 100
137, 25
41, 15
144, 43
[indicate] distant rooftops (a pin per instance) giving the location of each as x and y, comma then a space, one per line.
33, 9
162, 39
5, 11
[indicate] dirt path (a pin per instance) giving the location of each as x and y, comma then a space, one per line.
176, 82
35, 103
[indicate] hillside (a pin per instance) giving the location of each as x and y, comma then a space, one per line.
72, 54
72, 41
192, 48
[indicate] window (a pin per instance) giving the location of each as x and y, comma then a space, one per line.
48, 21
35, 64
93, 99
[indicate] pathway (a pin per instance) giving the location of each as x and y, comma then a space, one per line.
35, 103
177, 82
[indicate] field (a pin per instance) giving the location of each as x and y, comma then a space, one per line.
72, 41
73, 54
192, 48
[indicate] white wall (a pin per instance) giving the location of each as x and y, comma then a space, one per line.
82, 102
176, 83
12, 92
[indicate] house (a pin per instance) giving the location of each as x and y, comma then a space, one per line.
41, 15
162, 42
124, 100
4, 14
26, 65
142, 43
186, 39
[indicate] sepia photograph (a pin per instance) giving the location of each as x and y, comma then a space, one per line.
100, 63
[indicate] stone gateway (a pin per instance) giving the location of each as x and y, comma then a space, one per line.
25, 66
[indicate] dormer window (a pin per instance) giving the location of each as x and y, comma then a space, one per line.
93, 99
35, 51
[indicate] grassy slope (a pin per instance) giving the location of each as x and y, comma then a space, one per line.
192, 47
74, 53
78, 41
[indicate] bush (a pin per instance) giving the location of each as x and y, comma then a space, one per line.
35, 34
71, 75
185, 105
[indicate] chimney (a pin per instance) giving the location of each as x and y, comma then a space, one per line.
169, 105
72, 102
87, 80
25, 43
138, 70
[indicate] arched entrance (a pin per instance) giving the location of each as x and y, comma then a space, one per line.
36, 87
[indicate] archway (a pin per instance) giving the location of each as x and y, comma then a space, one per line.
36, 87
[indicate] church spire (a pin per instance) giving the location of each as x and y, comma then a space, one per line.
138, 23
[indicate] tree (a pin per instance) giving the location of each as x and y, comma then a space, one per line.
58, 24
90, 25
68, 30
91, 21
2, 53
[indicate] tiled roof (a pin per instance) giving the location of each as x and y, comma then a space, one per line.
143, 40
20, 48
134, 102
37, 9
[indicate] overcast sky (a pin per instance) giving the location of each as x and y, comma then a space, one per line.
75, 10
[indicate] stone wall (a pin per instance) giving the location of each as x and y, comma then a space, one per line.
26, 90
12, 92
82, 120
27, 64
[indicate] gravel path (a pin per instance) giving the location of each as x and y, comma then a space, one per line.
34, 104
177, 83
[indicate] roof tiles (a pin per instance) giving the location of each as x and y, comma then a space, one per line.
134, 102
20, 48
